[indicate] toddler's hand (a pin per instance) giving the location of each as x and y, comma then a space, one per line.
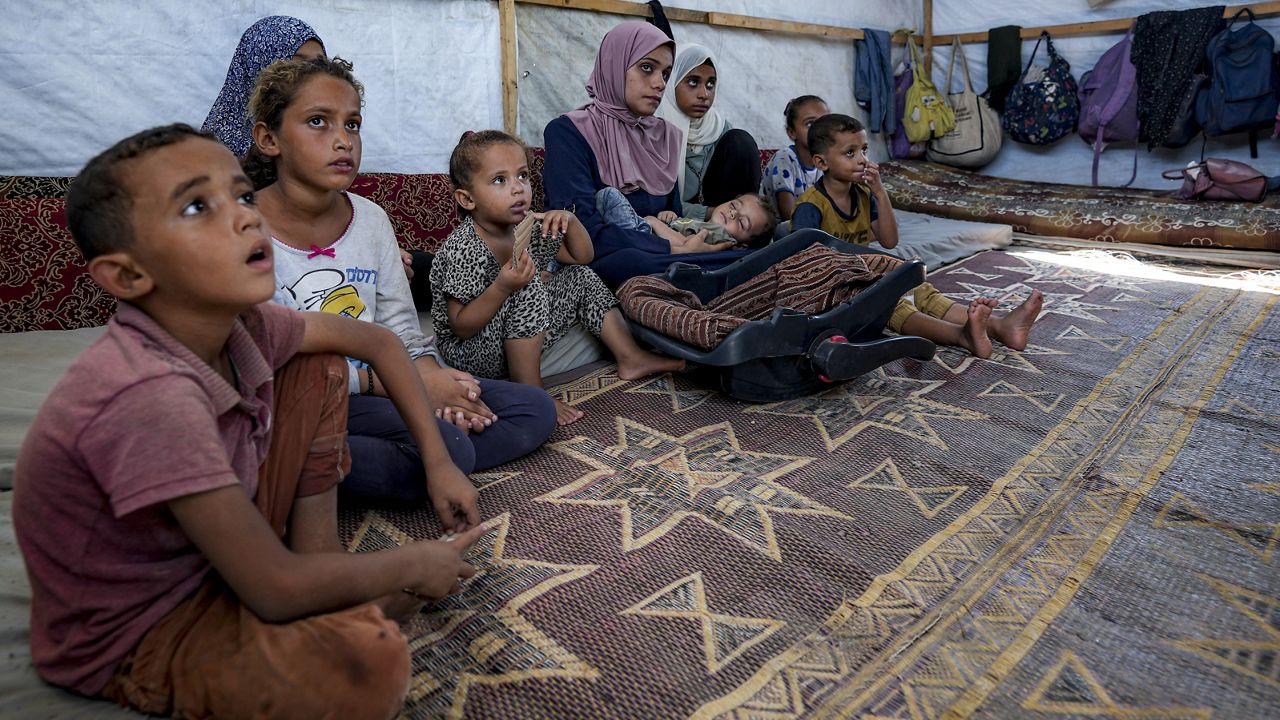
511, 279
694, 243
667, 216
555, 222
407, 259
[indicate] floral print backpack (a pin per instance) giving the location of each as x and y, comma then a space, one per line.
1043, 107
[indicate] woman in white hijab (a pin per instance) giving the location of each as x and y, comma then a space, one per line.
719, 162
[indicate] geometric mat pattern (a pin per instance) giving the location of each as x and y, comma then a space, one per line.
1088, 528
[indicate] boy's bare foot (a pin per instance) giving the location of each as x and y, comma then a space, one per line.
1015, 328
566, 413
973, 336
644, 363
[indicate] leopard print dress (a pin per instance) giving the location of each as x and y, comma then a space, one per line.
464, 267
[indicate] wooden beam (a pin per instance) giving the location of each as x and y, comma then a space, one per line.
730, 20
510, 83
747, 22
1098, 27
622, 7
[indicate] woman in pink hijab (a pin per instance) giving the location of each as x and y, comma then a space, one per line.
616, 141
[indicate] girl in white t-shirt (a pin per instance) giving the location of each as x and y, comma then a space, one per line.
337, 252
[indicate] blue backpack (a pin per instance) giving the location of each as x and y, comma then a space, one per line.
1241, 95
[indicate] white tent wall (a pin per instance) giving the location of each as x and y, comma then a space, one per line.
1069, 160
758, 72
78, 76
81, 75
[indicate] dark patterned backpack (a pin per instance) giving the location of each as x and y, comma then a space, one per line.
1043, 106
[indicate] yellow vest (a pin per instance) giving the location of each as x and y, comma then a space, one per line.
855, 228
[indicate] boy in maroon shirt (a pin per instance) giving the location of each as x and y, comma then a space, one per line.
175, 499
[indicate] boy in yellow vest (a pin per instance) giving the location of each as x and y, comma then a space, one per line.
850, 203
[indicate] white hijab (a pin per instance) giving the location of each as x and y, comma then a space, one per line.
698, 132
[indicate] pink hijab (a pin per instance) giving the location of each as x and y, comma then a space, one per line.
633, 151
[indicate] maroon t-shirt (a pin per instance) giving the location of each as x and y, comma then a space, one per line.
138, 420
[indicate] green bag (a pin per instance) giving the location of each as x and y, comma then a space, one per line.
927, 114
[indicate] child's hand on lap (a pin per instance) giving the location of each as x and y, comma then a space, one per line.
454, 497
511, 279
555, 222
456, 395
667, 216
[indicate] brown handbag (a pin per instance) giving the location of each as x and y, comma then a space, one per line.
1219, 179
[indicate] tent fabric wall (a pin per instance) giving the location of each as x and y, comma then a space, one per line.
758, 71
79, 76
1069, 160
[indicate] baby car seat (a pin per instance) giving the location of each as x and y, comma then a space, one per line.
791, 354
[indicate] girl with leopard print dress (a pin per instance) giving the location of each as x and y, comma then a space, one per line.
494, 315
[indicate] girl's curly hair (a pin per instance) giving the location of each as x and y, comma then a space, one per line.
275, 90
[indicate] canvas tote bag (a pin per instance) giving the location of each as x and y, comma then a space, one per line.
976, 138
927, 114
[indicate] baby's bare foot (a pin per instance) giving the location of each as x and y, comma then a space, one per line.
566, 413
974, 333
644, 363
1014, 329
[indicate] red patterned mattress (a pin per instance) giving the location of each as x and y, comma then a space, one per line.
1082, 212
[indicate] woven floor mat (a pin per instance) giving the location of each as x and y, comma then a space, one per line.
1087, 528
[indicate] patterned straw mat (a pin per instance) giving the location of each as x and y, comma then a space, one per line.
1088, 528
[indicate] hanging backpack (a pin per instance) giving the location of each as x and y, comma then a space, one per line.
1043, 106
1185, 127
1109, 103
901, 148
1240, 96
976, 138
927, 114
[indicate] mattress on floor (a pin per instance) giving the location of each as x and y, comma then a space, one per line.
22, 693
32, 362
939, 241
1078, 211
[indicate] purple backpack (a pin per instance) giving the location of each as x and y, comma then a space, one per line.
1109, 103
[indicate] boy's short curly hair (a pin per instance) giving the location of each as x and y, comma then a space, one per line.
99, 200
822, 134
275, 90
764, 235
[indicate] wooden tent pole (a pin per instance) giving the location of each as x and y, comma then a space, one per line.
510, 84
1261, 9
928, 37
